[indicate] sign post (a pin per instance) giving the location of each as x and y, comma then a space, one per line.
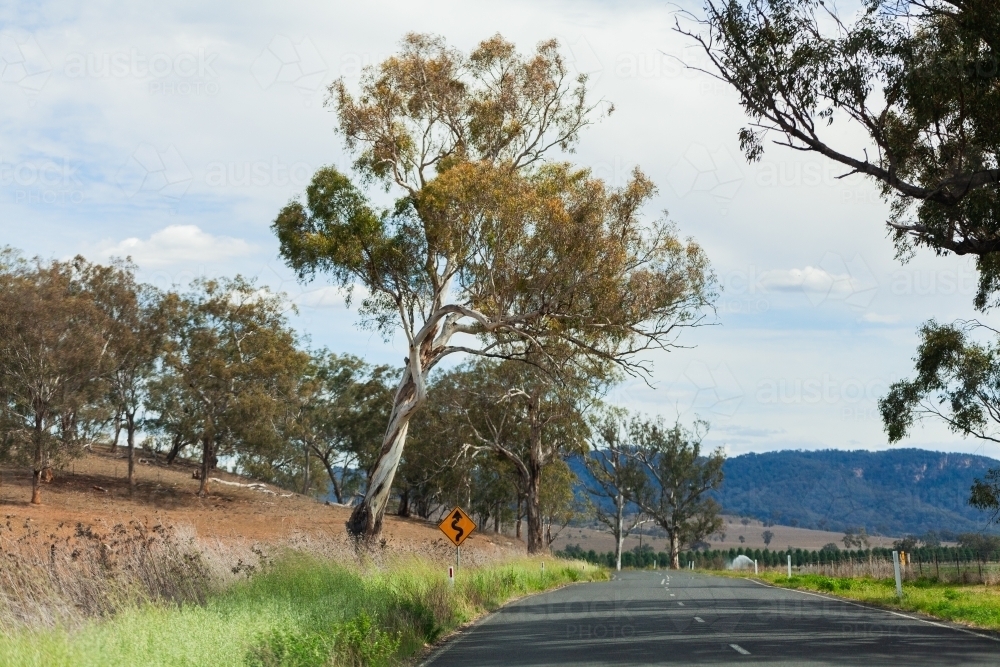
895, 566
457, 527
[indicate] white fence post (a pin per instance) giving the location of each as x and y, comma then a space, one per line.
755, 566
789, 566
895, 566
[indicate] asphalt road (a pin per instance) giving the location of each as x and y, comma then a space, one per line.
660, 618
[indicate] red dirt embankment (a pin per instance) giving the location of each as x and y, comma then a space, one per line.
93, 491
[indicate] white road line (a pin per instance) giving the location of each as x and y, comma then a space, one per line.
681, 603
663, 582
894, 613
739, 649
671, 595
698, 618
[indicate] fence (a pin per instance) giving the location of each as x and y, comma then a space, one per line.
956, 564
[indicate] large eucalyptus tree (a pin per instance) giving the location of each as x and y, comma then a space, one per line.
489, 247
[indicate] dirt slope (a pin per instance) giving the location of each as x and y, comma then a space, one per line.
93, 491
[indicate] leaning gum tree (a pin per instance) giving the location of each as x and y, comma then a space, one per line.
490, 248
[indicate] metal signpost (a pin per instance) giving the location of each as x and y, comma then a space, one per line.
457, 527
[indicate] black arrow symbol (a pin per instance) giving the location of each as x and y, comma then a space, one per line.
454, 524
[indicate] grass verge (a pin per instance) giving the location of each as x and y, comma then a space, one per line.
301, 612
974, 605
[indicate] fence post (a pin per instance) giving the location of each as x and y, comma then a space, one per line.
789, 566
895, 566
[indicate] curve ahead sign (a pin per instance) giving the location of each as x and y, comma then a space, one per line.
457, 526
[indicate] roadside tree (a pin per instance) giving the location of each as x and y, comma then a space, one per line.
918, 77
486, 240
957, 383
676, 481
614, 471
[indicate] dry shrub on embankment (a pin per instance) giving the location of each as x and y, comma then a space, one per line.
163, 601
75, 573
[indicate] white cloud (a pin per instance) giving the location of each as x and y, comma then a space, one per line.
834, 279
875, 318
809, 279
178, 244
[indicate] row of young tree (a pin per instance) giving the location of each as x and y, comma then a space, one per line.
972, 549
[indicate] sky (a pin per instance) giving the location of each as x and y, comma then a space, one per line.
173, 132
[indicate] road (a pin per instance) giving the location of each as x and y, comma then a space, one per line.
660, 618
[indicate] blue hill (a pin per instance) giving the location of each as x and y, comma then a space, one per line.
892, 492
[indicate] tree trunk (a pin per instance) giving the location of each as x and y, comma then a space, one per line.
675, 549
130, 435
366, 519
305, 474
619, 530
118, 431
36, 476
404, 503
517, 525
176, 446
207, 452
534, 481
337, 488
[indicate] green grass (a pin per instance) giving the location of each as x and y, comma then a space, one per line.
975, 605
301, 612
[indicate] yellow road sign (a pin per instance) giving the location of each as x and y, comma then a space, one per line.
457, 526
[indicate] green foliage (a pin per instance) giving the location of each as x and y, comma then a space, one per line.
676, 481
301, 611
920, 78
958, 383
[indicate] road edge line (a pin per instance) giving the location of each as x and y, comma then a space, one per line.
939, 623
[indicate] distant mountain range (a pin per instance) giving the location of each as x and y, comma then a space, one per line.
894, 492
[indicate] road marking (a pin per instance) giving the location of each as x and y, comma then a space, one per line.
671, 595
739, 649
663, 582
681, 603
698, 618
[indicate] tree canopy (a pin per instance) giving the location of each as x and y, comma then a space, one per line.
490, 248
920, 77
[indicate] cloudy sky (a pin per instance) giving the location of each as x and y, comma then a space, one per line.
173, 132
